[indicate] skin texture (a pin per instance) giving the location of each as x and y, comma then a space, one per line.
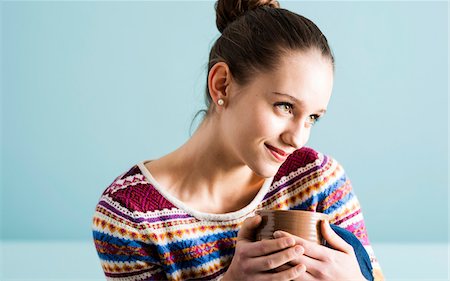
225, 162
222, 167
254, 260
249, 118
323, 263
277, 259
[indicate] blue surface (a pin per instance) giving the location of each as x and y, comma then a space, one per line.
91, 88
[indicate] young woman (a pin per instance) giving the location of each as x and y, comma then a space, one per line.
191, 213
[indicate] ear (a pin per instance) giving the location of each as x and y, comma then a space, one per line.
219, 79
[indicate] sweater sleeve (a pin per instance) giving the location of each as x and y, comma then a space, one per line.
338, 199
124, 249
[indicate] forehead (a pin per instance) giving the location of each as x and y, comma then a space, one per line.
308, 77
303, 75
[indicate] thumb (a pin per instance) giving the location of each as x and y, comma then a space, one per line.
248, 228
334, 240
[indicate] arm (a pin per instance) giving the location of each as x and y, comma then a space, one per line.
338, 200
122, 248
329, 191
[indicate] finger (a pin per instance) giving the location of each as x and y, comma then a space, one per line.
247, 231
313, 266
289, 274
269, 246
269, 262
335, 241
306, 276
312, 249
284, 267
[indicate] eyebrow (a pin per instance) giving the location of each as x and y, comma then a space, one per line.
295, 100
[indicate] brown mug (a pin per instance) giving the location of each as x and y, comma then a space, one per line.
305, 224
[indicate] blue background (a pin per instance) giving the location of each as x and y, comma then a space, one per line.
91, 88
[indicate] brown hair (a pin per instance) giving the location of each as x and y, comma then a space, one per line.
255, 36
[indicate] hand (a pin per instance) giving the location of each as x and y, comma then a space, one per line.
323, 263
257, 260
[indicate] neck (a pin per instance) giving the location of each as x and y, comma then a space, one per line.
207, 167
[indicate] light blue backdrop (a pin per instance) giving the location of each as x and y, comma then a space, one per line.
91, 88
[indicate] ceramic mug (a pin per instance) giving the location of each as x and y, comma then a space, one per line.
305, 224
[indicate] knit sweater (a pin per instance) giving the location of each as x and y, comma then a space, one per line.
141, 232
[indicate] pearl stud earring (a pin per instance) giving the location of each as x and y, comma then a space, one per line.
220, 101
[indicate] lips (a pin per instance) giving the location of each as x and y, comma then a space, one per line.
277, 153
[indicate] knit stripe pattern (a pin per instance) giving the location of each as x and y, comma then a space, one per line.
142, 233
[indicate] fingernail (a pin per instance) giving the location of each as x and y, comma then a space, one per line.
300, 268
277, 234
298, 249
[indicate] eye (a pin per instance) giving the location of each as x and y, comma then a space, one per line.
289, 107
313, 119
285, 106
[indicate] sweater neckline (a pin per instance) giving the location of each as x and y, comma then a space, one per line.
203, 215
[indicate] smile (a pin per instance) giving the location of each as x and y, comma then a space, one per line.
276, 155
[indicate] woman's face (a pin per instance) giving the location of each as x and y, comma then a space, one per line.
277, 110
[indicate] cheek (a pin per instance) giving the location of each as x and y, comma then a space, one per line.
306, 136
254, 125
263, 125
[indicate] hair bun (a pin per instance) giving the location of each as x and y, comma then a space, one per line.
229, 10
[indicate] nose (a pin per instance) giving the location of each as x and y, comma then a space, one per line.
296, 135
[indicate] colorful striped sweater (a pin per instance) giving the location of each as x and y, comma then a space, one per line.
143, 233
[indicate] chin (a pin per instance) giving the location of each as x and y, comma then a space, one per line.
263, 166
266, 170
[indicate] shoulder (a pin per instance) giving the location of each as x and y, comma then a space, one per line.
309, 180
308, 162
130, 178
131, 191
